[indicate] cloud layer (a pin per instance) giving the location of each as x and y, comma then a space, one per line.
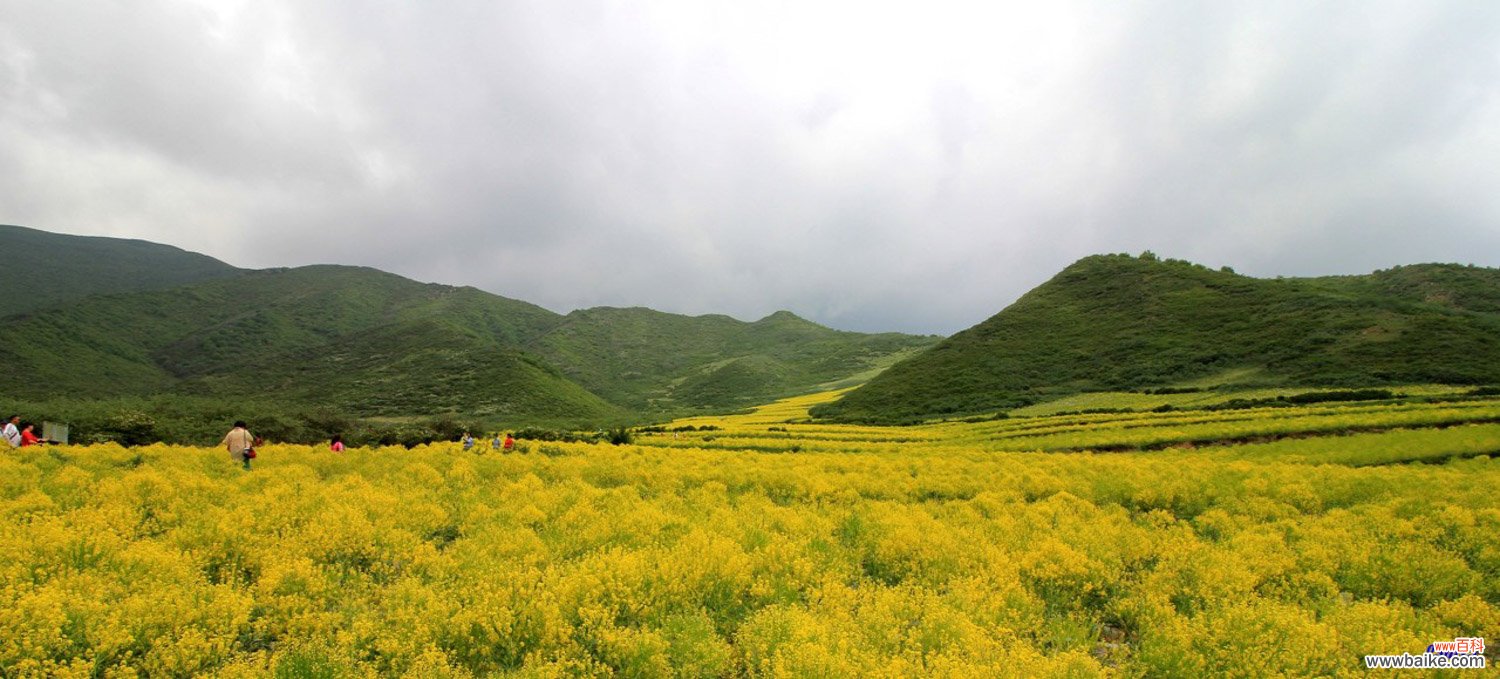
873, 166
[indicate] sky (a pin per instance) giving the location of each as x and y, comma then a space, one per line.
872, 166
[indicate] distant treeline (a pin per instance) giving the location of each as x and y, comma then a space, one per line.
199, 421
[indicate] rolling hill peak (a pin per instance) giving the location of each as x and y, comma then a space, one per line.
1122, 322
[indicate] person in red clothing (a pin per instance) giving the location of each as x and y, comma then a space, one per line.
337, 445
28, 435
509, 445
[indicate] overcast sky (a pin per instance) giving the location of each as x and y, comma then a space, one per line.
872, 166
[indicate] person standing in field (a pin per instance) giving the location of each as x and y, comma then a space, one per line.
509, 445
240, 443
13, 431
337, 445
28, 435
495, 442
468, 441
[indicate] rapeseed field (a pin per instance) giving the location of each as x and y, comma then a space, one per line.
1262, 542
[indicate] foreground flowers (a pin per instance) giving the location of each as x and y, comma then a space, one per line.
767, 548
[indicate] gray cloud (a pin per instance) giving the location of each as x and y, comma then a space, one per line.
871, 166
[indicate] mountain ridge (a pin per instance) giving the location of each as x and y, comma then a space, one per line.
1117, 322
375, 344
53, 268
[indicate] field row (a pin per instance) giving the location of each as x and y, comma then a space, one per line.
1100, 432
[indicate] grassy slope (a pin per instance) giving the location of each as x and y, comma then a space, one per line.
353, 338
47, 269
422, 367
1138, 401
645, 359
372, 343
1118, 323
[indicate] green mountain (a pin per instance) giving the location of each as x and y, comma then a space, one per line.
365, 343
45, 269
360, 340
1118, 322
654, 361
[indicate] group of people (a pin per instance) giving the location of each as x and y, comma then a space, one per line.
241, 443
19, 434
506, 445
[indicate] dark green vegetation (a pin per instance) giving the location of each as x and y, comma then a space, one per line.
323, 349
200, 420
649, 360
1116, 322
43, 269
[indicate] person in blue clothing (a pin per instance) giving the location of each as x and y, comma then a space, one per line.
468, 440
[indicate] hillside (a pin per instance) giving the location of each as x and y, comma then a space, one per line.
372, 344
649, 360
361, 340
1122, 323
45, 269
